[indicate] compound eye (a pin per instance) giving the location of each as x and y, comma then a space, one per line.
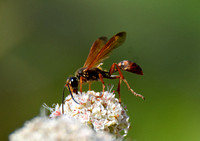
74, 82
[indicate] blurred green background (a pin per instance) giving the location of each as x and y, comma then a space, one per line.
43, 42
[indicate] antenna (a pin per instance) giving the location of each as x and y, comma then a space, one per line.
63, 101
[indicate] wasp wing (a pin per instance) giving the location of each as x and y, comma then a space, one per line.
104, 51
95, 49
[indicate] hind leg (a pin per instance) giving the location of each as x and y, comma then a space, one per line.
115, 68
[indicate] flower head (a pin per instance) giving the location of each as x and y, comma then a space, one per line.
64, 128
103, 113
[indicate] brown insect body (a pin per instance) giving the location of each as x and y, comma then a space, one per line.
91, 74
91, 71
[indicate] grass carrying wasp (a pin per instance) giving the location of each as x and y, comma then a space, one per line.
91, 70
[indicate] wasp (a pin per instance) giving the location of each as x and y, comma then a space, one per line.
91, 70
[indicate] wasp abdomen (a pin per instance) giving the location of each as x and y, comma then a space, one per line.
130, 67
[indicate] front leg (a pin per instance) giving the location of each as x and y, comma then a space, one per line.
81, 82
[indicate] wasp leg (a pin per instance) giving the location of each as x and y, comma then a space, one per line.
81, 82
112, 70
89, 85
119, 84
118, 89
136, 94
101, 79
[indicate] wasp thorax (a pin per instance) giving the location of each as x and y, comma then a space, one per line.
82, 72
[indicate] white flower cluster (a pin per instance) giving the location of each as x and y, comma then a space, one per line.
59, 129
101, 113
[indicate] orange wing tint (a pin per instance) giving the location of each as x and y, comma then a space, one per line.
95, 49
98, 52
